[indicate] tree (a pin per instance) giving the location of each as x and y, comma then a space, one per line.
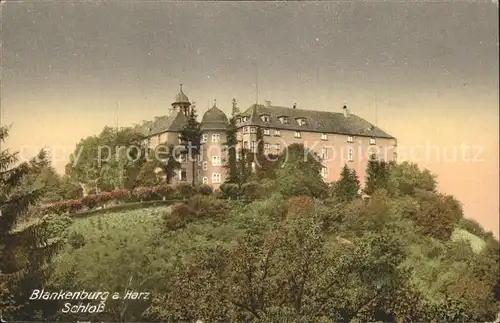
24, 251
347, 187
231, 143
299, 173
406, 178
191, 139
377, 175
108, 161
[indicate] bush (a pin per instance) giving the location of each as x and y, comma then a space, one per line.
471, 226
230, 191
251, 191
121, 194
76, 240
185, 190
300, 206
204, 189
207, 206
179, 216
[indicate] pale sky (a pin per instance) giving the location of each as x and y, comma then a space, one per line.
430, 68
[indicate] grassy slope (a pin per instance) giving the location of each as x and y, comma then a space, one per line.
134, 241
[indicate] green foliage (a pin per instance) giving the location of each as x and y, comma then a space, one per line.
190, 137
26, 249
251, 191
377, 175
299, 173
230, 191
347, 187
111, 160
233, 175
435, 215
204, 189
207, 206
406, 178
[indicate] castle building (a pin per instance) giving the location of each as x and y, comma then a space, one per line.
336, 138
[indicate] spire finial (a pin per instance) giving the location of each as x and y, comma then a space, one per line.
215, 102
181, 87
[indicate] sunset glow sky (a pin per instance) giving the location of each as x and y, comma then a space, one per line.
430, 68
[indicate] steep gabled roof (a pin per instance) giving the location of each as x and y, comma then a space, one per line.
163, 124
315, 121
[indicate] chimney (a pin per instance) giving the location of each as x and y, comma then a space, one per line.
295, 105
268, 104
346, 111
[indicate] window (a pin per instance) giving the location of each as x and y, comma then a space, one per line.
204, 138
238, 155
246, 129
372, 141
183, 175
278, 147
297, 134
284, 120
244, 119
266, 147
215, 137
324, 136
350, 139
245, 144
205, 165
277, 132
216, 178
350, 154
395, 156
301, 122
324, 172
205, 180
267, 132
216, 161
265, 118
253, 130
252, 146
324, 153
253, 167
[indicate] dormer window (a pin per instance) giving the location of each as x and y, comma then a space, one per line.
265, 118
245, 119
372, 141
284, 120
301, 121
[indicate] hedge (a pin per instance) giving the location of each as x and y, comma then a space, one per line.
106, 199
181, 191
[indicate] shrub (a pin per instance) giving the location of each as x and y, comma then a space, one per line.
204, 189
251, 191
229, 191
73, 206
90, 201
76, 240
179, 216
185, 190
300, 206
207, 206
121, 194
